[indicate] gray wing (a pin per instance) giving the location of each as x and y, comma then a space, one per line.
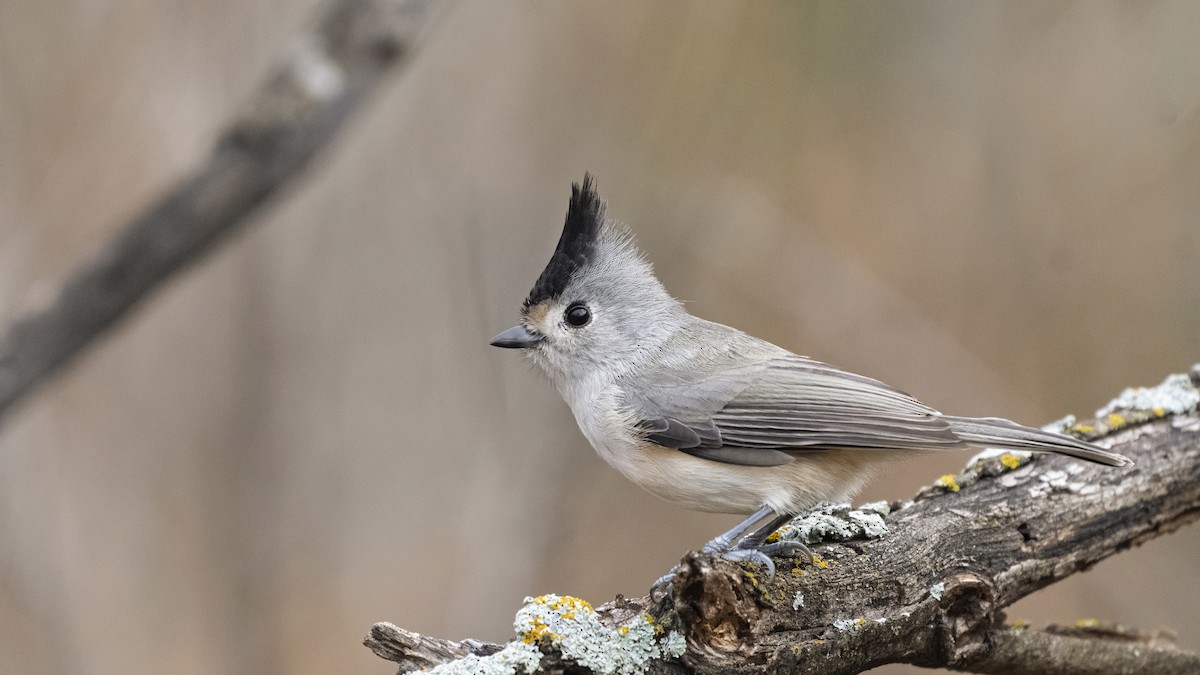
764, 413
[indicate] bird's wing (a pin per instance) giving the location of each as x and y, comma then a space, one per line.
764, 413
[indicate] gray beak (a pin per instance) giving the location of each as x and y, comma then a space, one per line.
517, 337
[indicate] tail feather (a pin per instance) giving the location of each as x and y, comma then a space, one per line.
1002, 433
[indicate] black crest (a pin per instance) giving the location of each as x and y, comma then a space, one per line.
576, 246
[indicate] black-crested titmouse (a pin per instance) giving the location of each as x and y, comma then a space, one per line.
709, 417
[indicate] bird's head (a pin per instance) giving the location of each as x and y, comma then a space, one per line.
597, 307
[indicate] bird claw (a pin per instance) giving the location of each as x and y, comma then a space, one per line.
663, 587
751, 548
762, 553
787, 548
743, 552
752, 555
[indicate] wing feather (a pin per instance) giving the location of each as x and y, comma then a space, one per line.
783, 405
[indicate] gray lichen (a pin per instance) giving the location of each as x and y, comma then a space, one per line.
838, 522
515, 656
872, 523
850, 625
1176, 394
573, 627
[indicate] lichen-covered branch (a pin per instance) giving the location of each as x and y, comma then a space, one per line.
923, 581
327, 75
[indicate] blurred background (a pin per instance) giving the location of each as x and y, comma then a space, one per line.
992, 206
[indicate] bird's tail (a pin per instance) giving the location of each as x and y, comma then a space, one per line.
994, 432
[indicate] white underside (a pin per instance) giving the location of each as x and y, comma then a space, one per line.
705, 485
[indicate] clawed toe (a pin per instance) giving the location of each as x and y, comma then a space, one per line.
744, 552
752, 547
663, 587
787, 548
753, 555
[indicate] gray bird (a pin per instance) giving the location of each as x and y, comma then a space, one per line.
709, 417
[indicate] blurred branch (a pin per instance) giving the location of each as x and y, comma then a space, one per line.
326, 77
931, 591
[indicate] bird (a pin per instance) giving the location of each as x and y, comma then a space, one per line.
713, 419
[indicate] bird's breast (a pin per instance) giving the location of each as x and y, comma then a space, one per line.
705, 485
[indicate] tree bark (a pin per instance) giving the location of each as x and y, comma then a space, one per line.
932, 590
327, 76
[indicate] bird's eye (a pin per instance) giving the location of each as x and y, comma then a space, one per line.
578, 315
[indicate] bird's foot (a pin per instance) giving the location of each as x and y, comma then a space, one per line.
787, 548
737, 546
754, 547
663, 587
751, 555
749, 551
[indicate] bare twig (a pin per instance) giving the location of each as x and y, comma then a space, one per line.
328, 75
932, 589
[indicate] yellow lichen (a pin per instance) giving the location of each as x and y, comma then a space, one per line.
797, 572
623, 630
775, 536
1115, 420
1010, 460
567, 607
948, 482
1083, 428
1019, 624
1087, 623
753, 579
538, 631
565, 601
1159, 412
820, 562
649, 619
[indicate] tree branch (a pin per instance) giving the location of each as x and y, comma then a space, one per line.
327, 76
928, 587
1081, 651
414, 651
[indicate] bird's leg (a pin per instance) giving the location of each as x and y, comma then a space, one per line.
790, 548
759, 537
725, 542
737, 546
721, 545
754, 547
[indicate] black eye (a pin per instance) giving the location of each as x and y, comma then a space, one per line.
577, 315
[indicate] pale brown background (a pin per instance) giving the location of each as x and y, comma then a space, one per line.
993, 206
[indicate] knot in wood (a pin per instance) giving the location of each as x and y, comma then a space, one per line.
966, 611
716, 607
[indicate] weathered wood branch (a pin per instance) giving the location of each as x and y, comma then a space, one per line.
414, 651
328, 75
1081, 651
931, 591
